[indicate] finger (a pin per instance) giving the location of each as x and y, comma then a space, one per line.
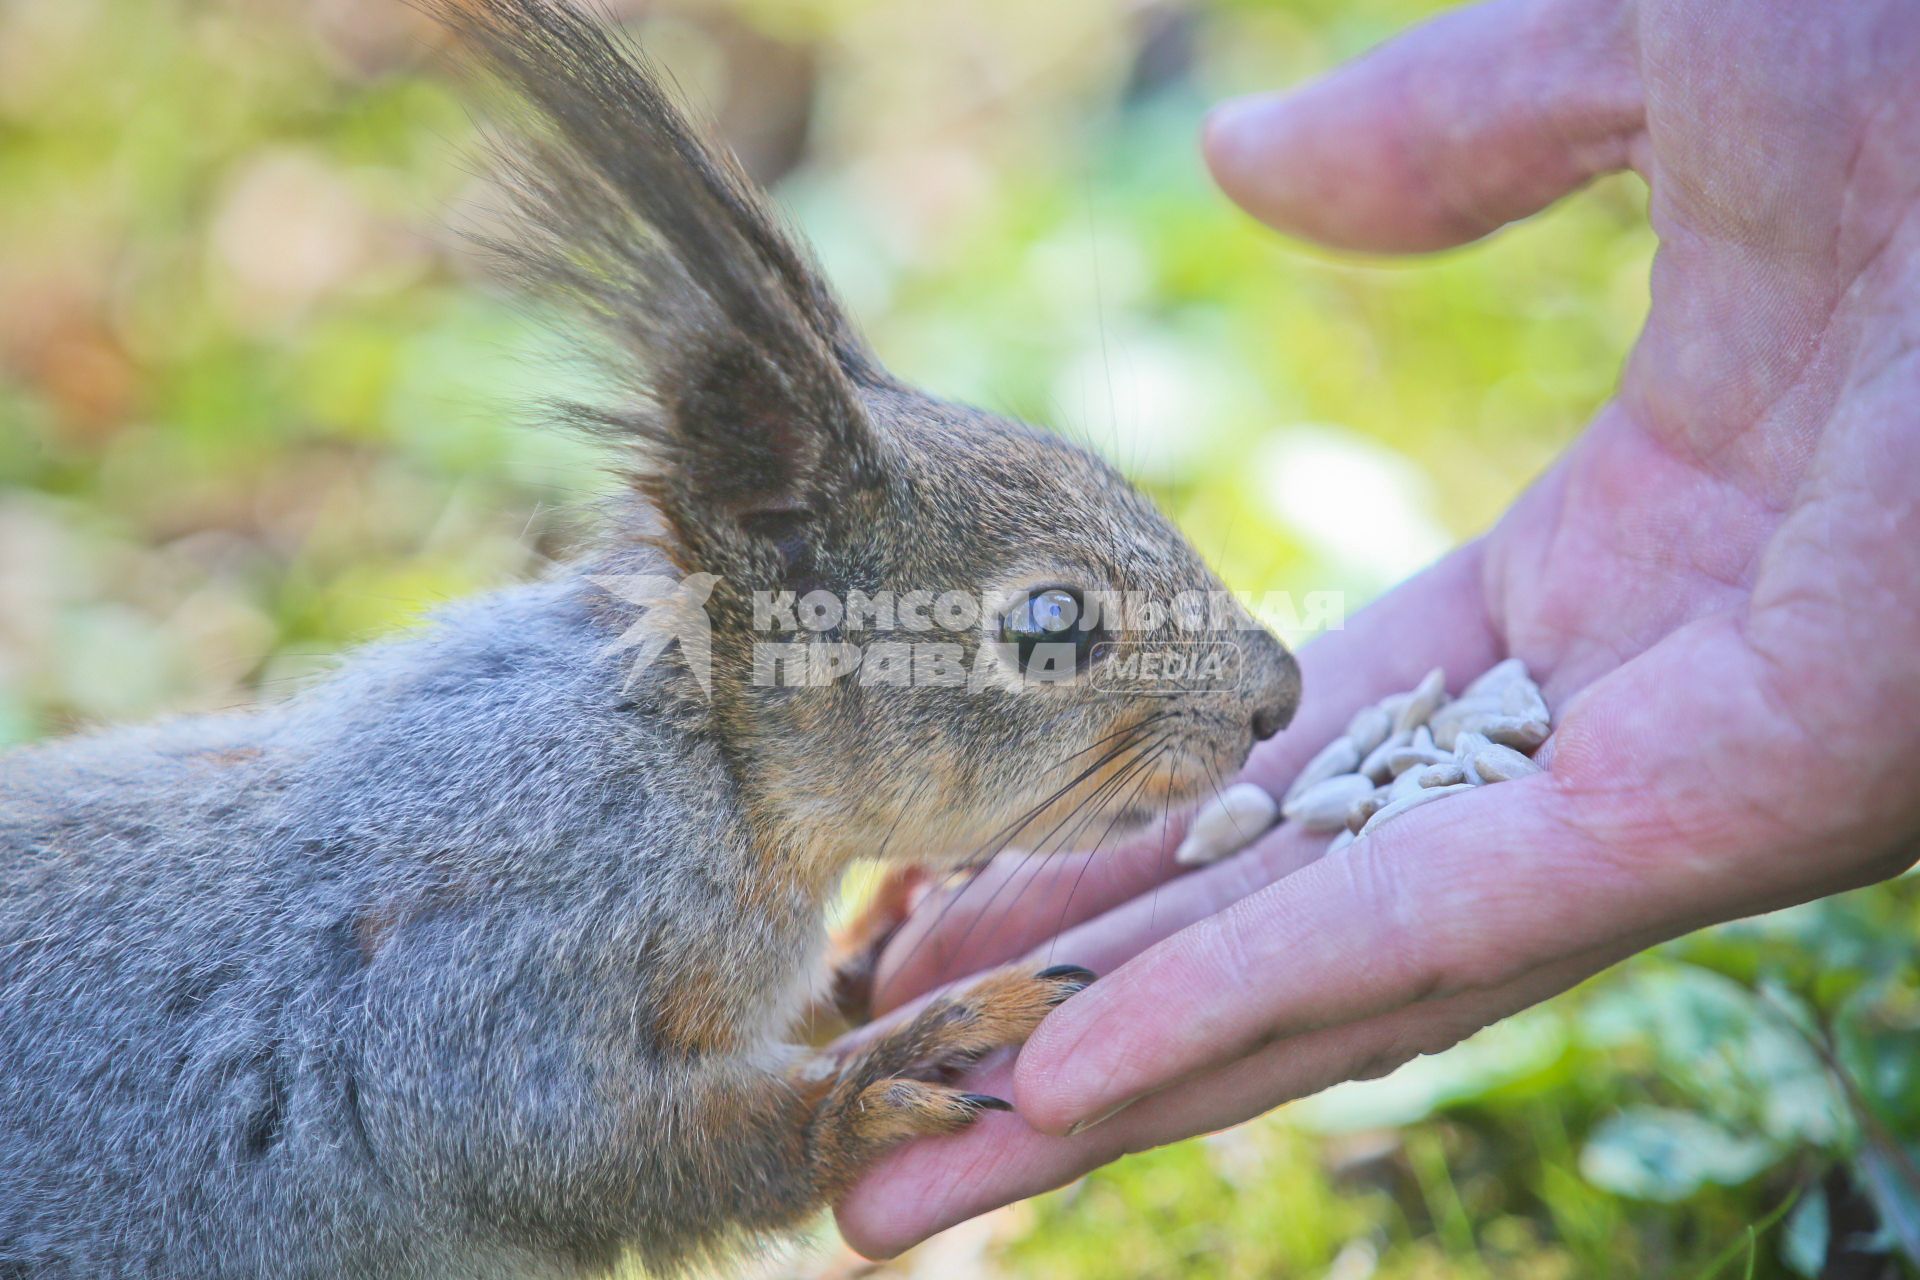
1482, 116
1020, 901
1453, 897
928, 1187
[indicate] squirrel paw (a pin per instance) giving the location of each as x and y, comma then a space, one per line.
900, 1086
890, 1111
955, 1031
855, 953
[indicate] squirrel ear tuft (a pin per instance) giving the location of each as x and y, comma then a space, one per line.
739, 374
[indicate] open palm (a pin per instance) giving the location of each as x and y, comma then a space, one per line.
1719, 586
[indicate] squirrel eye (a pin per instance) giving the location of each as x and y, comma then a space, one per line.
1049, 633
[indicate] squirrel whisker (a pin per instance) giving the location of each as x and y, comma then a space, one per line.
1032, 859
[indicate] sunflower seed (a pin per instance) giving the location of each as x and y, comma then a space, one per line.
1522, 733
1469, 741
1420, 796
1523, 699
1421, 751
1340, 842
1411, 748
1337, 757
1237, 816
1497, 763
1404, 785
1366, 806
1445, 774
1460, 715
1508, 687
1369, 728
1463, 748
1497, 677
1323, 806
1425, 699
1376, 765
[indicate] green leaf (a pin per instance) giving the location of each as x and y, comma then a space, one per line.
1803, 1244
1735, 1055
1894, 1196
1653, 1153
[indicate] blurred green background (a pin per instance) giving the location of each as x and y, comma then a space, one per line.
256, 405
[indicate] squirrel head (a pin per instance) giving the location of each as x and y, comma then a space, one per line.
934, 631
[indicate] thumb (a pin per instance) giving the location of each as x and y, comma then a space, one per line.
1480, 117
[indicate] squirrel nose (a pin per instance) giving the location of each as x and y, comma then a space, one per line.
1271, 719
1278, 693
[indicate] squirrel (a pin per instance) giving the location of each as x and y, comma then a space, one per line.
485, 955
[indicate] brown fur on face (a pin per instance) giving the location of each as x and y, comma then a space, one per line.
947, 775
776, 453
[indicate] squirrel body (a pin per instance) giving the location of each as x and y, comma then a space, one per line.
482, 956
419, 859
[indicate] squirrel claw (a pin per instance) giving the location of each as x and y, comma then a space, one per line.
1078, 973
1073, 979
986, 1102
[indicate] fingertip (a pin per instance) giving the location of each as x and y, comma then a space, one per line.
1251, 146
1039, 1105
866, 1236
1484, 115
892, 1208
917, 1191
1274, 155
1225, 136
1044, 1112
1045, 1092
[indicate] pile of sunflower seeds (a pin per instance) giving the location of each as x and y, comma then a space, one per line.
1405, 751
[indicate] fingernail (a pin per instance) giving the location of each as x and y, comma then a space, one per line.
1082, 1126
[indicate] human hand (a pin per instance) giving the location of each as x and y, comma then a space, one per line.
1718, 586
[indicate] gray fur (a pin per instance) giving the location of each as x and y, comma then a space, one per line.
372, 982
206, 1074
